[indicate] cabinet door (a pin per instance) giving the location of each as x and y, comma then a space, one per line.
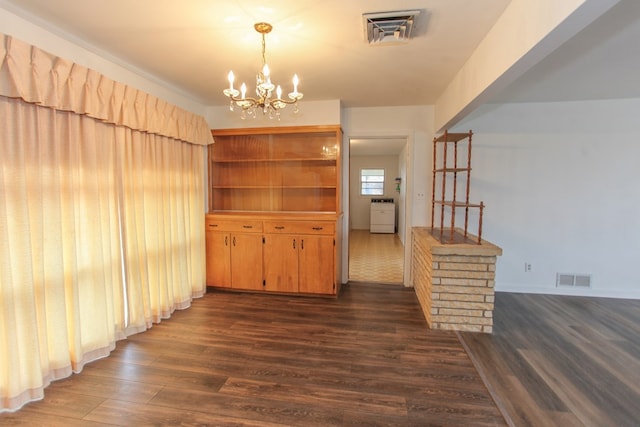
218, 253
246, 261
281, 262
316, 265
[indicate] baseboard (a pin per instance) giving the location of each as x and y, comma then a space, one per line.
570, 291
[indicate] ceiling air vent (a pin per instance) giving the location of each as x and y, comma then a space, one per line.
389, 27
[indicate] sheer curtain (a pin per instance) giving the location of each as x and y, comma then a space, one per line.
101, 221
162, 207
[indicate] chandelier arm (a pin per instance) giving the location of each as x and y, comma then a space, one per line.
249, 99
284, 101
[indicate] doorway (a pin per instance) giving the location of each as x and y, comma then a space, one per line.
376, 256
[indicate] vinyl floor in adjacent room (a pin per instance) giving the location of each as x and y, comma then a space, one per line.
364, 359
375, 257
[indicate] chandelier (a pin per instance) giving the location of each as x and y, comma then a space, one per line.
264, 89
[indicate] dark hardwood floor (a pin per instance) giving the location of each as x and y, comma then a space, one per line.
562, 361
365, 359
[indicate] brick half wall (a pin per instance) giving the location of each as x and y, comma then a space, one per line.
454, 283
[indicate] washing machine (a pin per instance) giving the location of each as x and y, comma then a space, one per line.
383, 216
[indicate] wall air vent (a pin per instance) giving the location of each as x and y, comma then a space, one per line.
573, 280
389, 27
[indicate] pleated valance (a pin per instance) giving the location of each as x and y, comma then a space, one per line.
39, 77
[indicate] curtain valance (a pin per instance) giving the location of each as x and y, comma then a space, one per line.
39, 77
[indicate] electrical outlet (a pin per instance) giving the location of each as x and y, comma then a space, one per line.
527, 267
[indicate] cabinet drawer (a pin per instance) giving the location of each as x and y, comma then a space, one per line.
249, 226
300, 227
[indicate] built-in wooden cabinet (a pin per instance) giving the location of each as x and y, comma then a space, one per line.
236, 249
299, 256
287, 169
218, 266
281, 263
285, 184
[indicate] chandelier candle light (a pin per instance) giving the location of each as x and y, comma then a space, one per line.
264, 88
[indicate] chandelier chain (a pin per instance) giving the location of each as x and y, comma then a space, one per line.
264, 48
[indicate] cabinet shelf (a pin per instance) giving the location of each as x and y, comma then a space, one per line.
451, 137
274, 187
450, 203
289, 160
276, 169
456, 170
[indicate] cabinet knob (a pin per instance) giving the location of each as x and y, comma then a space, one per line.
247, 226
213, 225
318, 228
279, 227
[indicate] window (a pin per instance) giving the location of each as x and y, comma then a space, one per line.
372, 182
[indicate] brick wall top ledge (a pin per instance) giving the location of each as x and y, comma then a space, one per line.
437, 248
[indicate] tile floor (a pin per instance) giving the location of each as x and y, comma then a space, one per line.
375, 257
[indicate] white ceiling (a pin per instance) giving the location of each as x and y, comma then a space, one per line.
600, 62
190, 45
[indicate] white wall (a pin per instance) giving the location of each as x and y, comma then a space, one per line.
413, 122
560, 181
310, 113
360, 206
401, 198
416, 124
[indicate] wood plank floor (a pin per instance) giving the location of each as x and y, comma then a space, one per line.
562, 360
375, 257
364, 359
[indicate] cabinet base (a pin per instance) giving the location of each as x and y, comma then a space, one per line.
211, 289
